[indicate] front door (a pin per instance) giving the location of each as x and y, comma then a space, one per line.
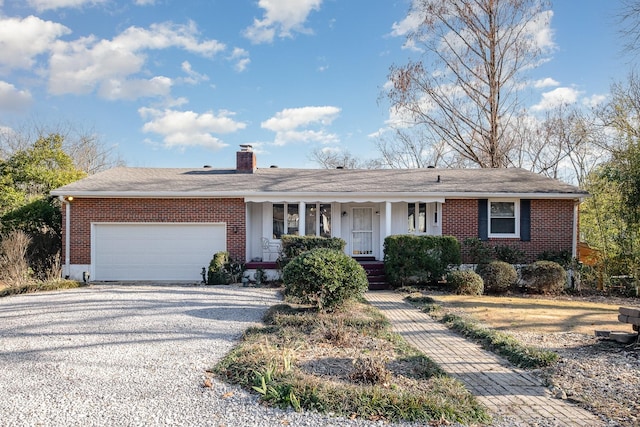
362, 232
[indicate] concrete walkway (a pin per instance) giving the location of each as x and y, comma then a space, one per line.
507, 392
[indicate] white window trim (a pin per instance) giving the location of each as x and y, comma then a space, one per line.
285, 219
516, 234
301, 212
317, 206
432, 211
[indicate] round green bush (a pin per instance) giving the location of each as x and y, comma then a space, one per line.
324, 278
544, 277
498, 276
465, 282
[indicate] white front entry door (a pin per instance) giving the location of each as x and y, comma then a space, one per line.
362, 232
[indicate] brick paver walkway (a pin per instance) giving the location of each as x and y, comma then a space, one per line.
502, 388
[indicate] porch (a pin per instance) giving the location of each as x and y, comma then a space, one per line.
363, 225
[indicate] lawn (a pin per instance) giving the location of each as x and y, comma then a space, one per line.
347, 362
535, 314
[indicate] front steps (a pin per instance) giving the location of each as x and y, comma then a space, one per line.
375, 274
375, 271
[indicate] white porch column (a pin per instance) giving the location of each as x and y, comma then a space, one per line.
302, 214
387, 227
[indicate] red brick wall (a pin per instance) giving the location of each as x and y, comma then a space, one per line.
551, 226
86, 211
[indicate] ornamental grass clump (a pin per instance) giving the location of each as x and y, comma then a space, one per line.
324, 278
465, 282
498, 276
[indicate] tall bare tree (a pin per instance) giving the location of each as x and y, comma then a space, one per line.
465, 87
629, 21
567, 143
333, 159
410, 148
88, 152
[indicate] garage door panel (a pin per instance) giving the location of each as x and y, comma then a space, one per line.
154, 251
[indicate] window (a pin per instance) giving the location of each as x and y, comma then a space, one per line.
282, 225
503, 218
417, 218
317, 220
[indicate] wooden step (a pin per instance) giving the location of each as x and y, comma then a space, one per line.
375, 273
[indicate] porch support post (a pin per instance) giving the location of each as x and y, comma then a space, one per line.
302, 229
387, 227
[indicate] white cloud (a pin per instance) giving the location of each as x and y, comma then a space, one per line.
546, 82
281, 18
594, 100
13, 99
80, 66
241, 58
187, 128
292, 118
193, 77
145, 2
42, 5
556, 98
113, 89
540, 30
305, 136
409, 24
21, 40
287, 125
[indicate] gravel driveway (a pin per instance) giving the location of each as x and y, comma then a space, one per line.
116, 355
121, 355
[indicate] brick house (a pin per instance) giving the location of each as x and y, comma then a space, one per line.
165, 224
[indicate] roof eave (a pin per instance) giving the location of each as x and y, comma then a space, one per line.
261, 196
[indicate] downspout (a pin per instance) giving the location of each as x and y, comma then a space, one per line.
67, 236
574, 243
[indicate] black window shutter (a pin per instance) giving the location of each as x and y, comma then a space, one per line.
483, 219
525, 220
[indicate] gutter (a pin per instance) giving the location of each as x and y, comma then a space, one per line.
343, 196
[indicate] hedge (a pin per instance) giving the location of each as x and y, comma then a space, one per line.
292, 246
412, 259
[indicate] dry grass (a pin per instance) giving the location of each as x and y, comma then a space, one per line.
535, 314
347, 363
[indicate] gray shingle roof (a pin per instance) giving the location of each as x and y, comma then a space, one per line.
204, 182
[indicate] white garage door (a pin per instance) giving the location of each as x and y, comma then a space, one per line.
144, 251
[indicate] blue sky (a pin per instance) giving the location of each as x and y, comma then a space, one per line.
182, 83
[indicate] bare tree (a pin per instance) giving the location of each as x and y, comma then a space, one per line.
88, 152
567, 143
409, 148
333, 159
465, 88
629, 21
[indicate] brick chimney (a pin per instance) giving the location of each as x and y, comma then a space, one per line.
245, 159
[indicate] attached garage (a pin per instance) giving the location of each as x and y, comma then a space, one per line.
154, 251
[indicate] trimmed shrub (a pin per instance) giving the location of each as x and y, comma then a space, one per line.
419, 259
544, 277
466, 282
498, 276
509, 254
561, 257
324, 278
217, 273
476, 252
292, 246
